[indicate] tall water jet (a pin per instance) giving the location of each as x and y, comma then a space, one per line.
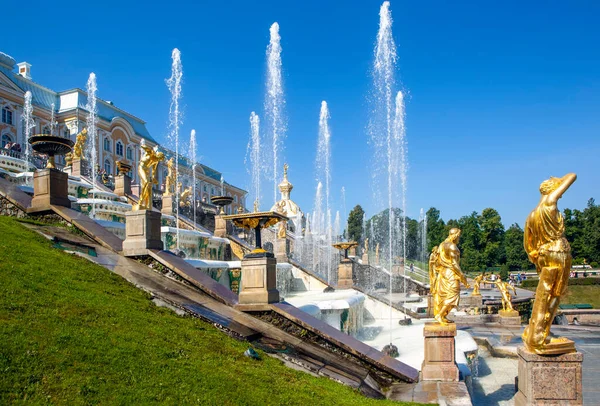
222, 186
401, 144
253, 153
174, 85
324, 174
336, 227
383, 135
316, 230
193, 156
275, 102
28, 124
92, 130
344, 213
53, 123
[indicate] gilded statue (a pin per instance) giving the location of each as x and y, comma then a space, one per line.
546, 246
171, 177
476, 284
504, 288
367, 245
78, 148
432, 272
449, 277
377, 253
281, 233
185, 197
148, 172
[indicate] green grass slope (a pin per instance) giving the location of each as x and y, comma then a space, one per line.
71, 332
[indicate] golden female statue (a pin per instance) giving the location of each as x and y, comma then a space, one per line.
432, 272
171, 177
449, 277
549, 250
148, 171
476, 282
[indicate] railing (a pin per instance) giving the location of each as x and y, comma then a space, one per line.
38, 161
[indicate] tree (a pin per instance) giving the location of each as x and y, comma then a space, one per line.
355, 223
516, 257
492, 238
435, 228
471, 258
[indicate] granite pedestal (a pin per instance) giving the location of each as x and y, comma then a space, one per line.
167, 205
77, 167
439, 363
365, 259
50, 187
220, 226
259, 280
471, 301
123, 185
509, 317
142, 232
281, 250
549, 379
345, 270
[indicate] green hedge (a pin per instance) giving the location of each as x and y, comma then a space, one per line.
532, 283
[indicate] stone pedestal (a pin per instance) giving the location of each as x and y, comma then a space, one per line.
439, 363
142, 232
352, 252
345, 270
471, 301
50, 187
123, 185
259, 280
549, 379
167, 205
220, 226
281, 250
77, 167
509, 317
365, 259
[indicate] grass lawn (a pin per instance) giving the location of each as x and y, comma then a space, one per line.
581, 294
74, 333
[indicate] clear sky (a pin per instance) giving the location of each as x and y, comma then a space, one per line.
501, 95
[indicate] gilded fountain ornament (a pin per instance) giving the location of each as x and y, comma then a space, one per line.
148, 172
546, 246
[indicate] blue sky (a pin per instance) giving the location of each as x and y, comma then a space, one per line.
501, 95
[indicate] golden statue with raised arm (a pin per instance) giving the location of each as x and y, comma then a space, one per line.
476, 284
171, 178
504, 288
546, 246
148, 172
449, 277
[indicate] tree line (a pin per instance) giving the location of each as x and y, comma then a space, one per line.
484, 243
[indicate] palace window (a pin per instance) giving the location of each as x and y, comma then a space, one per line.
107, 144
5, 139
129, 153
212, 191
46, 130
205, 188
7, 115
107, 166
67, 133
119, 148
235, 199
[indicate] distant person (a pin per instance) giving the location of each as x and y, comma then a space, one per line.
585, 274
412, 267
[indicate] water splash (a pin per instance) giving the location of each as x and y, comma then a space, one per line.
28, 124
253, 153
92, 130
336, 227
275, 101
193, 158
53, 123
400, 144
174, 85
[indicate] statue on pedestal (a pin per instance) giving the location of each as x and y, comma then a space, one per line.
503, 288
476, 284
148, 172
449, 277
432, 272
366, 245
546, 246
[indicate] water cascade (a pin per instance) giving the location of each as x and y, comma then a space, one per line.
174, 84
92, 130
275, 101
193, 150
254, 155
28, 125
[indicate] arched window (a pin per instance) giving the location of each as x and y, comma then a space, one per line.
7, 115
107, 167
212, 191
119, 148
46, 130
235, 198
129, 153
6, 139
107, 144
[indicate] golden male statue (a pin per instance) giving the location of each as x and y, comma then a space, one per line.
503, 288
449, 277
546, 246
148, 171
476, 284
79, 144
171, 177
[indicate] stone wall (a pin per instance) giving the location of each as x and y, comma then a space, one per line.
9, 209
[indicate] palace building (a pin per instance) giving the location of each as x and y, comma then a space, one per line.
119, 132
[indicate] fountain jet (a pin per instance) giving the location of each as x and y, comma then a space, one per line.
92, 130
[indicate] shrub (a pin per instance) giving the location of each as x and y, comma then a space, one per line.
532, 283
